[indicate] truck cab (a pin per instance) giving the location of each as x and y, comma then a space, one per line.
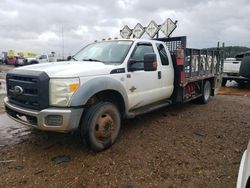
105, 82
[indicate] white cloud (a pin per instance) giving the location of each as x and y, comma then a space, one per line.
36, 25
81, 30
48, 36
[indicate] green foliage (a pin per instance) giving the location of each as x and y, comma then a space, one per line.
232, 51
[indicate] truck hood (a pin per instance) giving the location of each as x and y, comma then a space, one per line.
72, 68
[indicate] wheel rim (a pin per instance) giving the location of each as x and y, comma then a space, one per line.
105, 127
207, 91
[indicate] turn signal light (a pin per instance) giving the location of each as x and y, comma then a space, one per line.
73, 87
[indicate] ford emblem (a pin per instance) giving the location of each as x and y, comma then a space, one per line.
18, 90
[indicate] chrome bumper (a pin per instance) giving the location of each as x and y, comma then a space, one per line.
70, 118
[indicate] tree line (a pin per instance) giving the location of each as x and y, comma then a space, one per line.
232, 51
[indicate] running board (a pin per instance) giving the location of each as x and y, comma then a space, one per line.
148, 108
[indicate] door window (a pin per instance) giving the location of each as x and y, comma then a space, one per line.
138, 54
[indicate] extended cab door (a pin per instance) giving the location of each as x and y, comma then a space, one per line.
167, 70
143, 87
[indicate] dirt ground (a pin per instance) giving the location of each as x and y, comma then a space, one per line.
188, 145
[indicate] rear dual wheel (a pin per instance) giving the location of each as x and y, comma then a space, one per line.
206, 93
100, 126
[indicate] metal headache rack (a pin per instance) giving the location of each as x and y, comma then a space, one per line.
192, 66
197, 62
173, 43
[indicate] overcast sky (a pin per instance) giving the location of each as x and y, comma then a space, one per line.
36, 25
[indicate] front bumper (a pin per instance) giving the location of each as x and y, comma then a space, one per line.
50, 119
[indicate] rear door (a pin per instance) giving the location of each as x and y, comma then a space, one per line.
167, 70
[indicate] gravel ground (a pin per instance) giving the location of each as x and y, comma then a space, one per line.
188, 145
180, 146
1, 104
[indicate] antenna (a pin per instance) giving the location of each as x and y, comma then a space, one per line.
62, 42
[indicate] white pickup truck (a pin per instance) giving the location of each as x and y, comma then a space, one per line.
43, 58
231, 70
110, 80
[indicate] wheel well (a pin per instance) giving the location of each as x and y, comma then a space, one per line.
248, 183
109, 96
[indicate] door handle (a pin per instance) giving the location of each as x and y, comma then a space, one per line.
159, 74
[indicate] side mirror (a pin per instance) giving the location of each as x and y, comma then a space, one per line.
69, 58
150, 63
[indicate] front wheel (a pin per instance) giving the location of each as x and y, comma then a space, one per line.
100, 126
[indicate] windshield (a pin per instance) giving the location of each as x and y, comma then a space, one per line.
108, 52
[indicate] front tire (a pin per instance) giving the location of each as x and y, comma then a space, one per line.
100, 126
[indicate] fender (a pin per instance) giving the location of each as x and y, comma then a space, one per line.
97, 85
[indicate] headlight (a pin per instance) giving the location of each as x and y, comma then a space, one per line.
61, 90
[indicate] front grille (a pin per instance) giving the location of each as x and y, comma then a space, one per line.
34, 86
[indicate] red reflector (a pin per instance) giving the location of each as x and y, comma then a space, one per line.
182, 76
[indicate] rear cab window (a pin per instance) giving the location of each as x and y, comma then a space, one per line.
163, 54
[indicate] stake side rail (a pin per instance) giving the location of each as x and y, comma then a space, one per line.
192, 67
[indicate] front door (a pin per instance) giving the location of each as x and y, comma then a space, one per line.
142, 86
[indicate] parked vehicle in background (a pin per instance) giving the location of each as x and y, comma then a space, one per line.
3, 57
243, 180
44, 58
245, 66
231, 70
110, 80
12, 60
26, 58
11, 57
21, 61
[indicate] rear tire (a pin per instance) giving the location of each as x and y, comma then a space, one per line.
206, 93
100, 126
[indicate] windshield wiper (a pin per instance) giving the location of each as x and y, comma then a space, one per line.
92, 60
